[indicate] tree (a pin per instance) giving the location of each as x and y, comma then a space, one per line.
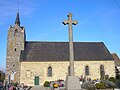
2, 76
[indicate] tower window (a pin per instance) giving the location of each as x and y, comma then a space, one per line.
15, 32
15, 49
13, 65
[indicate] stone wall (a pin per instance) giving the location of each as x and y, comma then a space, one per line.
60, 70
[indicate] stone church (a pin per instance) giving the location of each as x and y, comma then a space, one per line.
34, 62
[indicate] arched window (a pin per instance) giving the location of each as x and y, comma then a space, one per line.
49, 72
102, 72
87, 70
69, 71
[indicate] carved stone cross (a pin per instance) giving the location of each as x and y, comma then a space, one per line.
71, 22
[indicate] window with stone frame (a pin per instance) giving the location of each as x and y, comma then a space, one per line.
102, 72
28, 73
87, 70
49, 71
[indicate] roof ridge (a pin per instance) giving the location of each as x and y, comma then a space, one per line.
58, 42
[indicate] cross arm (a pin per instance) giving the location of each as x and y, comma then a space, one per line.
65, 22
75, 22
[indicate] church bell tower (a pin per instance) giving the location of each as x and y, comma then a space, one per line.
15, 43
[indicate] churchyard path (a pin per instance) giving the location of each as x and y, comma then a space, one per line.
38, 88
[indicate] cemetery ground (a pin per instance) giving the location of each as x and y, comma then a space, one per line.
106, 84
86, 84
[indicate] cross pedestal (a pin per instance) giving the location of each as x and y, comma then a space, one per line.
72, 81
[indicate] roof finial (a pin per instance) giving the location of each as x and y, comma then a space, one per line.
18, 6
17, 21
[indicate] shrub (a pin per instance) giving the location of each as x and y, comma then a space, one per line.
117, 76
97, 85
15, 84
47, 84
106, 77
118, 83
112, 79
88, 86
100, 85
108, 84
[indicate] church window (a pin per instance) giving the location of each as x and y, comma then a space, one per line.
28, 73
87, 70
15, 49
49, 72
102, 72
69, 71
15, 32
13, 65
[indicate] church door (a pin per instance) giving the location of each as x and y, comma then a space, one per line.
36, 80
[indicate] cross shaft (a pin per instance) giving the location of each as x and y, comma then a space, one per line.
71, 22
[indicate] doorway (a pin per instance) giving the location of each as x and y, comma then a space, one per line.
36, 80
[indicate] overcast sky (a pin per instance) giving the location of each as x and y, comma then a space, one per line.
98, 21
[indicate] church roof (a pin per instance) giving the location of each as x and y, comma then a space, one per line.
116, 59
59, 51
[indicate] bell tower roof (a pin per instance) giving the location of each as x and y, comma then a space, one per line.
17, 21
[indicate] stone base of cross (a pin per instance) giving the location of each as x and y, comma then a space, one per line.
72, 83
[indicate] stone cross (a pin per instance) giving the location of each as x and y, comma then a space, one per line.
71, 22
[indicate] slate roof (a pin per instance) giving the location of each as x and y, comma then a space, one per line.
116, 59
59, 51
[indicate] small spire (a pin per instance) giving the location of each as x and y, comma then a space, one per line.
17, 21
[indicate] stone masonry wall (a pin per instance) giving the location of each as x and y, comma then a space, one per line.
60, 70
15, 43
